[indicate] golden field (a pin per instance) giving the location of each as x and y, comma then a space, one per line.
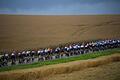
105, 72
28, 32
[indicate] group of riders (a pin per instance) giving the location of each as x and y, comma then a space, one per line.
30, 56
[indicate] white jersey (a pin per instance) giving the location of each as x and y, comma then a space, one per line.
12, 54
6, 54
28, 52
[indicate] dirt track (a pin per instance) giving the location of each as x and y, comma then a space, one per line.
22, 32
45, 72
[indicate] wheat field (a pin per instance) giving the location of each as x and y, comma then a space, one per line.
105, 72
29, 32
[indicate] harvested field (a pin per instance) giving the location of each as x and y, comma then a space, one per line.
27, 32
48, 72
105, 72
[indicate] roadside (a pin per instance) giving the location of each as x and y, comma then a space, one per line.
64, 68
62, 60
105, 72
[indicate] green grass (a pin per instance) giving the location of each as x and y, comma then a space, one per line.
63, 60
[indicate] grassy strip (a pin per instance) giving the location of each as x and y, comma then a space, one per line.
63, 60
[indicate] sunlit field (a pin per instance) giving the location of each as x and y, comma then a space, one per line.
31, 32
